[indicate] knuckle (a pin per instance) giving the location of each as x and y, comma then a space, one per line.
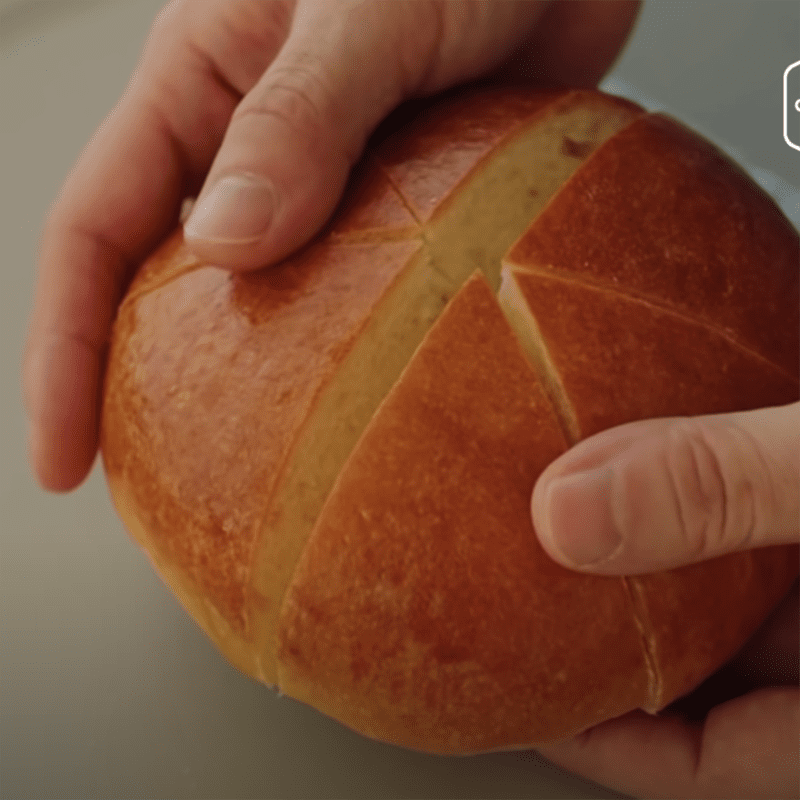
716, 486
698, 485
295, 96
424, 56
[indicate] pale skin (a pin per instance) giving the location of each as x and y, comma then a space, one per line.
286, 94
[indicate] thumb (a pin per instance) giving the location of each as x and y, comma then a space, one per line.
288, 149
345, 65
658, 494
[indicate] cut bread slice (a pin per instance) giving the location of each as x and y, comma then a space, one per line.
259, 370
731, 261
423, 610
275, 374
660, 318
627, 322
411, 615
517, 170
498, 178
612, 358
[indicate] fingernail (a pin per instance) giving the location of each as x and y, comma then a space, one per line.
578, 520
238, 210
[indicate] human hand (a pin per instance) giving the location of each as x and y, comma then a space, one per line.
282, 94
658, 494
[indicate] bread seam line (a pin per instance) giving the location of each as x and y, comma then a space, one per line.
519, 316
647, 300
380, 234
523, 322
440, 286
397, 191
641, 616
526, 329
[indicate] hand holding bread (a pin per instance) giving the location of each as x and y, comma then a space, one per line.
240, 87
657, 494
331, 462
749, 709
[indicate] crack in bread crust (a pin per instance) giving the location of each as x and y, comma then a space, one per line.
534, 345
523, 322
639, 611
403, 199
632, 295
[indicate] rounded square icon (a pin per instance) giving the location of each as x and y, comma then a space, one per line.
791, 105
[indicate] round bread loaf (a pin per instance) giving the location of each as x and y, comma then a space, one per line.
330, 460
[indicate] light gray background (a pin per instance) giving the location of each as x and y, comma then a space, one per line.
108, 689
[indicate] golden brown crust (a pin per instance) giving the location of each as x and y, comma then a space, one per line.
185, 424
371, 208
659, 311
427, 162
699, 616
423, 610
620, 358
660, 213
198, 355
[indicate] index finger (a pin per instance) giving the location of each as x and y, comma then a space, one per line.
121, 198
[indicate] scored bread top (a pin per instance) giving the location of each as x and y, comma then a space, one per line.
423, 610
417, 597
459, 134
186, 431
620, 358
731, 263
232, 400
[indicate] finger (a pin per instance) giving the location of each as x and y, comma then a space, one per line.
287, 154
120, 199
657, 494
575, 43
747, 747
770, 658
